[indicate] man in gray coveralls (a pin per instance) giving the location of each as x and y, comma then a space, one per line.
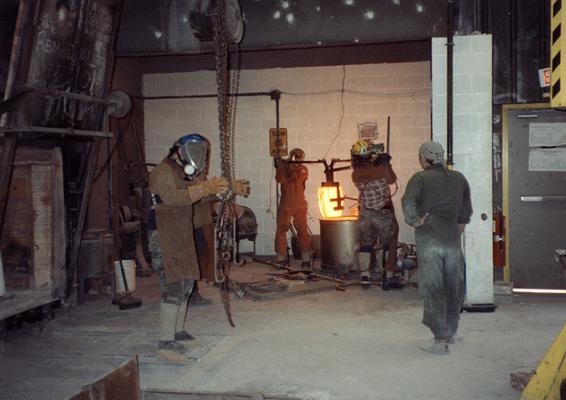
437, 204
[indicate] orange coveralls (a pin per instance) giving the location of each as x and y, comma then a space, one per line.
292, 206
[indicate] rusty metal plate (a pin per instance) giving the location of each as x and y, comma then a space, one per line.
121, 384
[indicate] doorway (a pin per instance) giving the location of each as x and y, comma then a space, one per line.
534, 147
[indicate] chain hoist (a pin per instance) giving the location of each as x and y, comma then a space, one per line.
225, 225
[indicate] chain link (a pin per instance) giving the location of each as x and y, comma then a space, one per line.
226, 219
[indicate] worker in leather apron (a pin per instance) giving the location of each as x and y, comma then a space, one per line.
292, 207
437, 204
372, 176
183, 243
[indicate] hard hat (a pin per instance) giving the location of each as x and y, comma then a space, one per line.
296, 154
361, 147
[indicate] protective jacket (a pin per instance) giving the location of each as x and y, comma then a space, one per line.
174, 216
292, 207
292, 178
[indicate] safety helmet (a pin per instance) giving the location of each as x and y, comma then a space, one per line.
296, 154
192, 150
365, 152
361, 147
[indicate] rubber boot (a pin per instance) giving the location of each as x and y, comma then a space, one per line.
364, 260
167, 322
181, 334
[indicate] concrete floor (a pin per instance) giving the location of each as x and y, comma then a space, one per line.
334, 345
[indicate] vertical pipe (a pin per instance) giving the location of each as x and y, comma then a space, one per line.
513, 49
387, 150
109, 184
449, 81
276, 95
76, 296
2, 284
8, 152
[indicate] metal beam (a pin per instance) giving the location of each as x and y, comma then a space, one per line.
58, 131
10, 140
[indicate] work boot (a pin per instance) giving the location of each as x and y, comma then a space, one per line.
455, 338
364, 260
198, 300
282, 262
391, 284
172, 345
436, 346
184, 336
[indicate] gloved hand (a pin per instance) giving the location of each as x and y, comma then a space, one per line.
215, 186
241, 187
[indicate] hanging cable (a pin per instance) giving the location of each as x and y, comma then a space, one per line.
342, 113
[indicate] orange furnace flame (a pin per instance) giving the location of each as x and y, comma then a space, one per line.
327, 201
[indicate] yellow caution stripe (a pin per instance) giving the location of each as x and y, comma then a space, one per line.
550, 374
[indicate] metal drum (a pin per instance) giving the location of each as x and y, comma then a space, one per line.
338, 243
95, 256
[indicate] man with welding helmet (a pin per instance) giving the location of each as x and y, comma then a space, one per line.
372, 176
183, 243
292, 175
437, 204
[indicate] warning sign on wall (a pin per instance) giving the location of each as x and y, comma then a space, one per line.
278, 142
544, 77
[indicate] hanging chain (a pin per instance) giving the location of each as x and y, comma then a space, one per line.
225, 224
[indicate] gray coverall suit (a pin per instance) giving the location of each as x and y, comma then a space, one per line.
445, 195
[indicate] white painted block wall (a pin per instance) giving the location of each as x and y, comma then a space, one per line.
472, 147
311, 110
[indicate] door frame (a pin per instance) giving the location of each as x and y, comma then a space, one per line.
505, 169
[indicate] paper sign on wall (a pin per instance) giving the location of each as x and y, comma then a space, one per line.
547, 134
548, 160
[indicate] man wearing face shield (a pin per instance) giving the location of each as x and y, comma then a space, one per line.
183, 243
292, 207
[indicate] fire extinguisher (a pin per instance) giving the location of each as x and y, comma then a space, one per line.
498, 239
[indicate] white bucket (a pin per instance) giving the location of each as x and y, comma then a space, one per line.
129, 271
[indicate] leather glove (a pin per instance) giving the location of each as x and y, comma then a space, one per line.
241, 187
214, 186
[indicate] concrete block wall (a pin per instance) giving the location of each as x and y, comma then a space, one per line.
472, 146
320, 117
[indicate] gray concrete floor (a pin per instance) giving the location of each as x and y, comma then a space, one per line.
333, 345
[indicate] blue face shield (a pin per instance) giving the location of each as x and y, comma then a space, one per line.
193, 152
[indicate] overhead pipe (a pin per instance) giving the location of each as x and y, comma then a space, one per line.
273, 95
449, 82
